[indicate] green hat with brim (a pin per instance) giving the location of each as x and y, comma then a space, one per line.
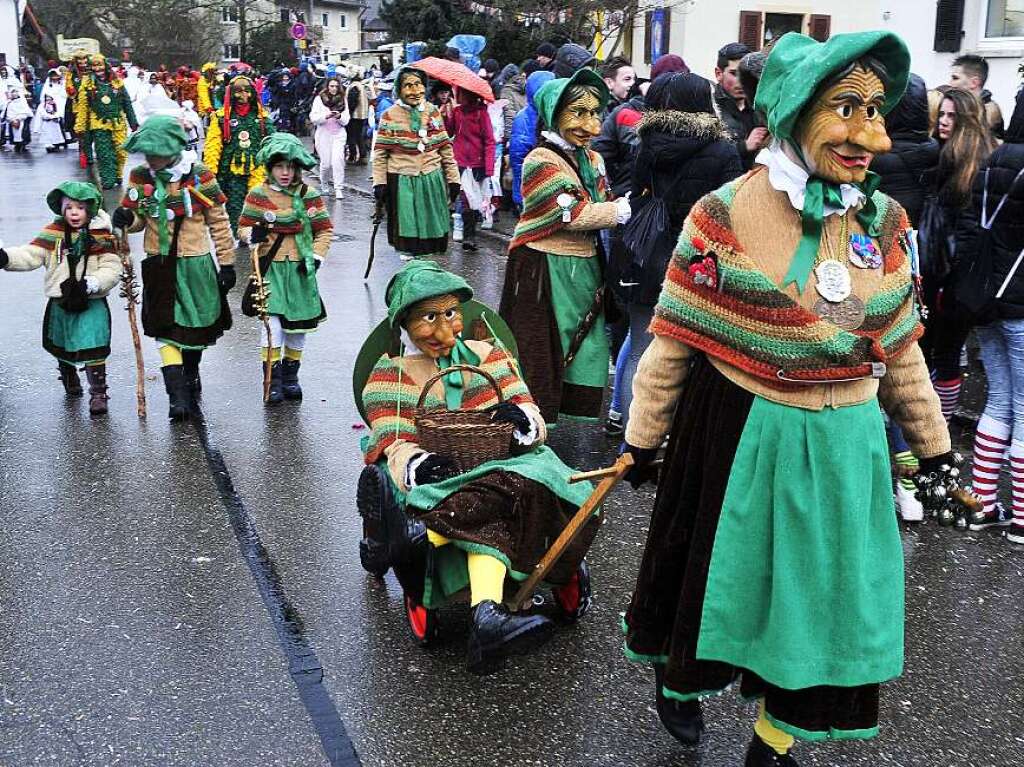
549, 99
82, 191
159, 136
798, 65
284, 146
419, 280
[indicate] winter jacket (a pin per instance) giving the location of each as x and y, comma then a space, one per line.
617, 143
473, 136
514, 95
993, 114
523, 137
682, 157
1006, 237
913, 152
571, 58
739, 124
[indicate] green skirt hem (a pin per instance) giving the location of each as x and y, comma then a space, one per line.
178, 344
821, 735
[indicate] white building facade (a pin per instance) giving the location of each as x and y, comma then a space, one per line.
10, 22
936, 32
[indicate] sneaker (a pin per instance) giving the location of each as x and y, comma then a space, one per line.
997, 516
487, 223
909, 508
456, 227
1015, 534
613, 426
339, 194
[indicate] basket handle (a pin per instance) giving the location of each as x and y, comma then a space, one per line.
470, 368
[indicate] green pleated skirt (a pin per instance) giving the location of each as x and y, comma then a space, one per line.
77, 338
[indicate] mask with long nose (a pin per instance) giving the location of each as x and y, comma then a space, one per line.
843, 128
433, 325
579, 120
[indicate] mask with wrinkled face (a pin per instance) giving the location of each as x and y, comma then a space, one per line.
433, 324
412, 90
580, 119
843, 128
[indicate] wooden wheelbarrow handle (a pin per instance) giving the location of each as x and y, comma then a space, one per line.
609, 477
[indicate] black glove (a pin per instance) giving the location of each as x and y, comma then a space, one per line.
479, 175
506, 412
122, 218
380, 192
434, 468
317, 263
226, 278
260, 233
4, 259
641, 471
453, 192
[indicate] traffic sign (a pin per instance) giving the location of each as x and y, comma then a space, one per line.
298, 31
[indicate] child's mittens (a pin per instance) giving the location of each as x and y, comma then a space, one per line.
92, 285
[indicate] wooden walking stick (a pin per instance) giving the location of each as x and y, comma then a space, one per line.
260, 301
609, 477
130, 293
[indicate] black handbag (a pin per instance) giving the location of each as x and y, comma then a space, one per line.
978, 290
935, 242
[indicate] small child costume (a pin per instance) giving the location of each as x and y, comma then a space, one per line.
103, 114
82, 267
773, 557
17, 121
181, 208
294, 229
235, 135
414, 170
554, 295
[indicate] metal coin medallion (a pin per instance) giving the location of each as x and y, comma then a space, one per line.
105, 99
847, 314
833, 280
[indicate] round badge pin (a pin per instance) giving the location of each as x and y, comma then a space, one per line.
170, 214
833, 280
269, 216
564, 200
133, 194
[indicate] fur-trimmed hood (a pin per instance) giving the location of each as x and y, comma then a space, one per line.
701, 126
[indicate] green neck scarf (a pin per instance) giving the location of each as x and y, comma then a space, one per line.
160, 194
453, 386
587, 174
76, 248
817, 195
414, 118
304, 237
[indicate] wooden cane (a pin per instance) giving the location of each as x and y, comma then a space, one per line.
130, 292
610, 477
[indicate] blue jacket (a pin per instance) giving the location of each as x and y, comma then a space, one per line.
524, 132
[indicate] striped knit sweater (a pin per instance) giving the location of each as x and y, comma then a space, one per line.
397, 147
546, 176
391, 394
745, 320
274, 209
200, 187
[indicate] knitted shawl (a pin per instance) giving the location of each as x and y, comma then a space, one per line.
396, 133
544, 179
390, 397
742, 318
284, 220
51, 240
198, 190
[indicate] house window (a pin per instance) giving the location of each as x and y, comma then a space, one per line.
343, 23
325, 19
230, 51
759, 30
1005, 18
778, 24
229, 14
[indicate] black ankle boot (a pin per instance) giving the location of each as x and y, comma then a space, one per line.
97, 375
684, 721
190, 367
497, 633
177, 392
276, 394
69, 377
760, 754
290, 379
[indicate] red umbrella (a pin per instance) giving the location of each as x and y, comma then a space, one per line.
456, 75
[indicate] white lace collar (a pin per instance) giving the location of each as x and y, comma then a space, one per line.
787, 175
558, 141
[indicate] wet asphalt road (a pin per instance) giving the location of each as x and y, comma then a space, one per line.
148, 616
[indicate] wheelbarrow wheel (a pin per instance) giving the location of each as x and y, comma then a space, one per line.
574, 599
422, 622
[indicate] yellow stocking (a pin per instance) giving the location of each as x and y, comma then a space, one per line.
274, 352
170, 355
780, 742
292, 354
486, 578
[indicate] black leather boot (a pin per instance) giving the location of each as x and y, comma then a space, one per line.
760, 754
497, 633
97, 375
69, 377
177, 392
683, 720
190, 366
276, 394
290, 379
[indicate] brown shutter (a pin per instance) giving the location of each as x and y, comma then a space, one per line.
647, 37
819, 27
750, 29
666, 27
949, 23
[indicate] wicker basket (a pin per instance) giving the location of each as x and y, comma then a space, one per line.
468, 437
